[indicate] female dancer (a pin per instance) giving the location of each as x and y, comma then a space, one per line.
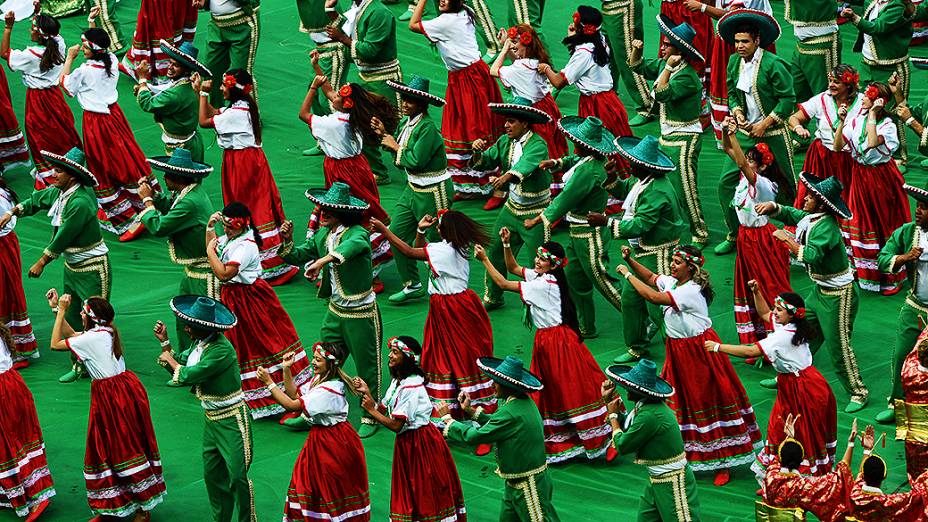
801, 389
49, 122
246, 175
329, 478
13, 314
174, 21
264, 333
25, 482
457, 328
112, 153
425, 484
713, 410
877, 202
466, 117
122, 465
763, 261
570, 403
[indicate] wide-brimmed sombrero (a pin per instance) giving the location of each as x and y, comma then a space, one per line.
680, 36
180, 163
644, 153
589, 132
186, 54
641, 378
203, 312
828, 191
767, 26
521, 109
337, 197
920, 194
74, 163
510, 372
418, 88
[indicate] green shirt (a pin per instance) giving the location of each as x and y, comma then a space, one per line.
772, 87
654, 436
657, 220
813, 13
175, 108
903, 239
681, 99
821, 248
313, 18
79, 231
373, 40
422, 150
530, 186
215, 378
891, 34
182, 218
583, 191
352, 266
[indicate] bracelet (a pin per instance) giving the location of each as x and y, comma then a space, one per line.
798, 125
716, 347
702, 8
204, 94
909, 121
867, 452
165, 343
628, 275
506, 245
271, 387
54, 309
147, 199
850, 444
613, 416
446, 417
143, 81
90, 20
420, 231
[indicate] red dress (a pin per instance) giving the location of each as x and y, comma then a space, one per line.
12, 298
915, 388
12, 144
172, 20
827, 496
872, 504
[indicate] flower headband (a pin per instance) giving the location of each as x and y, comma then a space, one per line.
327, 355
513, 32
586, 28
766, 156
544, 253
873, 92
849, 77
345, 94
395, 342
441, 213
795, 311
89, 44
695, 259
236, 222
229, 81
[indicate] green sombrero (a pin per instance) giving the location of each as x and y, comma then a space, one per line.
203, 312
828, 191
920, 194
521, 109
680, 36
418, 88
181, 163
767, 26
641, 378
644, 153
186, 54
918, 62
337, 197
510, 372
589, 132
74, 163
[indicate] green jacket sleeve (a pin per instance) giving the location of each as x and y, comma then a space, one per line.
577, 188
174, 220
492, 157
73, 221
789, 215
817, 244
214, 360
734, 101
534, 152
164, 103
379, 26
354, 243
647, 214
781, 83
299, 255
650, 68
890, 17
637, 435
679, 86
419, 153
565, 163
39, 200
497, 427
899, 243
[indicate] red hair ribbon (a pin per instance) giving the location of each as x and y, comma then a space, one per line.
230, 82
850, 77
526, 38
765, 154
345, 93
576, 18
513, 32
236, 222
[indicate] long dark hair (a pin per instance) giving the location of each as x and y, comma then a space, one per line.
409, 366
590, 17
462, 232
104, 313
6, 187
98, 37
699, 275
237, 209
235, 94
771, 171
804, 330
47, 28
366, 106
568, 308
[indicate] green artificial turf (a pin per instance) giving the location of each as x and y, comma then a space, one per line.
144, 280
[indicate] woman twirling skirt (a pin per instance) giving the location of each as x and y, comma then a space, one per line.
762, 259
13, 301
424, 470
49, 126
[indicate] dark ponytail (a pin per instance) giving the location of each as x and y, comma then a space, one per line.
47, 28
237, 209
804, 330
568, 308
98, 37
104, 313
587, 30
8, 189
461, 231
235, 94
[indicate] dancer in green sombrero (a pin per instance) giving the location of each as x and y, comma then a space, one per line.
517, 430
182, 216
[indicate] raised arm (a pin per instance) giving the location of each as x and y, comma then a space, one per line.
401, 246
732, 147
760, 303
498, 278
649, 294
206, 111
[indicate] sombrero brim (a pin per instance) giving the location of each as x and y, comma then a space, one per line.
78, 170
618, 373
527, 382
522, 112
839, 207
919, 63
185, 58
919, 194
406, 90
182, 304
663, 23
767, 26
162, 163
354, 204
569, 125
624, 146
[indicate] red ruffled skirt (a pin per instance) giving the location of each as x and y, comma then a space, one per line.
118, 163
247, 178
824, 162
466, 118
607, 107
12, 143
763, 259
13, 301
809, 396
916, 458
122, 465
571, 402
457, 333
715, 415
879, 206
554, 138
425, 483
24, 477
263, 335
329, 480
49, 126
171, 20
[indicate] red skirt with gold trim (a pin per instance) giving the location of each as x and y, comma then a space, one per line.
763, 259
13, 300
425, 483
49, 126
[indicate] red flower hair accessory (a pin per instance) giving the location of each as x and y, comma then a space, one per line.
513, 32
765, 154
236, 222
526, 38
873, 92
576, 18
230, 82
850, 77
345, 94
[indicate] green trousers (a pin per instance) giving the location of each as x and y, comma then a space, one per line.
109, 23
622, 22
913, 316
670, 497
685, 148
195, 283
227, 454
781, 144
194, 145
589, 268
881, 73
528, 500
231, 43
831, 312
812, 61
487, 29
361, 330
527, 12
414, 203
636, 310
86, 279
513, 218
372, 151
334, 61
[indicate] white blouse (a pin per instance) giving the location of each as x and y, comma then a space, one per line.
543, 297
688, 314
325, 404
581, 70
95, 91
27, 61
94, 348
823, 110
449, 271
335, 136
779, 349
6, 358
855, 137
408, 400
6, 203
456, 38
244, 252
523, 79
747, 195
233, 127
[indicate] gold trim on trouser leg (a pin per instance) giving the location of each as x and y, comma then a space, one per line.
371, 311
487, 25
677, 481
252, 21
627, 13
438, 192
521, 9
532, 502
688, 180
594, 250
830, 53
99, 264
663, 257
848, 358
108, 26
905, 78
